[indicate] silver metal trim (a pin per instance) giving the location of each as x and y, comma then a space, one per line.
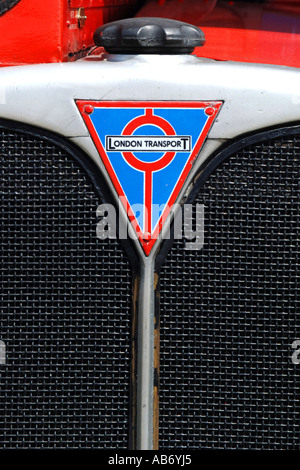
255, 96
145, 363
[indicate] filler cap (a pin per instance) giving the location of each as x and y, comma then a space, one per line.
149, 36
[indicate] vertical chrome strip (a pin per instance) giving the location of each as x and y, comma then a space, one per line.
145, 357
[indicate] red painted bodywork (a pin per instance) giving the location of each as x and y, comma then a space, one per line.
266, 33
47, 30
39, 31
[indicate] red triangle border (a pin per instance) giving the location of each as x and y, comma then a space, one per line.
86, 108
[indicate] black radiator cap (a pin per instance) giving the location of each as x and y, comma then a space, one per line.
149, 36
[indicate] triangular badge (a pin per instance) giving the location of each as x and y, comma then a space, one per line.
148, 149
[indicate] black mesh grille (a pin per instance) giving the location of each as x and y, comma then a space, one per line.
6, 5
228, 312
65, 305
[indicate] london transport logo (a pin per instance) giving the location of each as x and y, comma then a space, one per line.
148, 149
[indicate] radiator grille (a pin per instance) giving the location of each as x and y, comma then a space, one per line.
228, 312
65, 305
6, 5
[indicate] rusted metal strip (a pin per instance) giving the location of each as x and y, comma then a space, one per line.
156, 365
